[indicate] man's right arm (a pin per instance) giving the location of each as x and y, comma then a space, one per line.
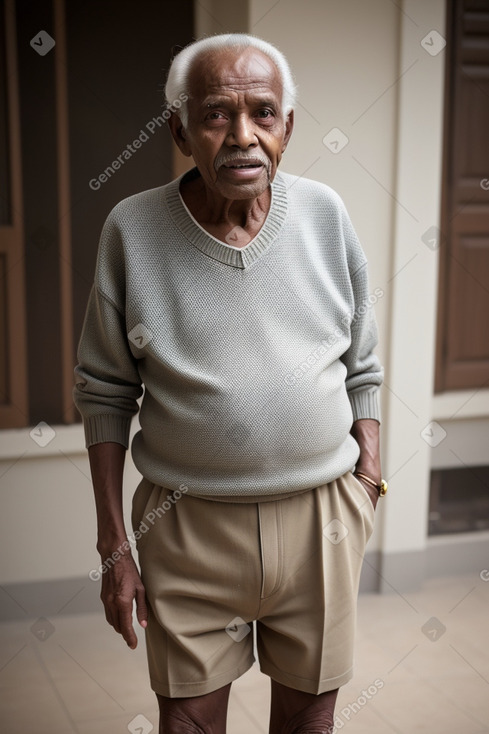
108, 386
121, 582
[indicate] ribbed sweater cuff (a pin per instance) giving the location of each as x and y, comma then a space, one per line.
365, 404
107, 427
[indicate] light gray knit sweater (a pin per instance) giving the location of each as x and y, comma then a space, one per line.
254, 361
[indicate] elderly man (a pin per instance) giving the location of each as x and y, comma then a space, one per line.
238, 297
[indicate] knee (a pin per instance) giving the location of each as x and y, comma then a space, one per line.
180, 723
194, 715
314, 728
177, 717
307, 722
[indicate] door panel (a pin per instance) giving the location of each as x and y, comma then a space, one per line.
463, 323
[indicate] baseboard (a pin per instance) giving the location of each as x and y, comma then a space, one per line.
36, 599
444, 555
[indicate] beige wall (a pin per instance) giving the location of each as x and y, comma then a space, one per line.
360, 68
48, 522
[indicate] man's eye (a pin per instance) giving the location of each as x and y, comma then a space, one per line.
214, 115
264, 114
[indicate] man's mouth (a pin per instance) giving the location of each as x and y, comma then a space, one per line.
242, 170
244, 164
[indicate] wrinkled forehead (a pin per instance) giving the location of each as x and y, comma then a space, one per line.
233, 69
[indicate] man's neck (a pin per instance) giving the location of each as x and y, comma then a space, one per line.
233, 221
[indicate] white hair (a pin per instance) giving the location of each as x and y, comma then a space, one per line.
177, 83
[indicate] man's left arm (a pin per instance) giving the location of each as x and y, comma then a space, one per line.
366, 432
363, 380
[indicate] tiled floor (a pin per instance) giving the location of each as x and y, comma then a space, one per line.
422, 659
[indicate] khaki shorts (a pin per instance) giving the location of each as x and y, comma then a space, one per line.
210, 568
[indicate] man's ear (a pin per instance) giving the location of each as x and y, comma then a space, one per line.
289, 126
178, 134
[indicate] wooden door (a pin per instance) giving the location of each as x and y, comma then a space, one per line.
463, 307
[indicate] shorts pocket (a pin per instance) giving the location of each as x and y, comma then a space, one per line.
364, 489
363, 501
145, 495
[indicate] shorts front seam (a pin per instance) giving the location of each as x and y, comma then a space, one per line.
271, 556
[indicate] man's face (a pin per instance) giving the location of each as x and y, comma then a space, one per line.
236, 131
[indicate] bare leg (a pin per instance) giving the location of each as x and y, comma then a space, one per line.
197, 715
296, 712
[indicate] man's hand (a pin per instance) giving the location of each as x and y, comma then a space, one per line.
121, 582
121, 585
366, 433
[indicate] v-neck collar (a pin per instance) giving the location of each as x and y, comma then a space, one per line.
213, 247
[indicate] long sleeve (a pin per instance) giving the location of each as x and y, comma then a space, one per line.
364, 371
107, 381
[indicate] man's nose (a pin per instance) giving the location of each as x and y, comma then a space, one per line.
241, 132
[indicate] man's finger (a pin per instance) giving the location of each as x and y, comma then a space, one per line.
108, 615
121, 608
126, 628
141, 607
108, 603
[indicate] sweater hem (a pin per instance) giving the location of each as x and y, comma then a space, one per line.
256, 485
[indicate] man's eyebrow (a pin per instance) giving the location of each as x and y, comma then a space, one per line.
214, 103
